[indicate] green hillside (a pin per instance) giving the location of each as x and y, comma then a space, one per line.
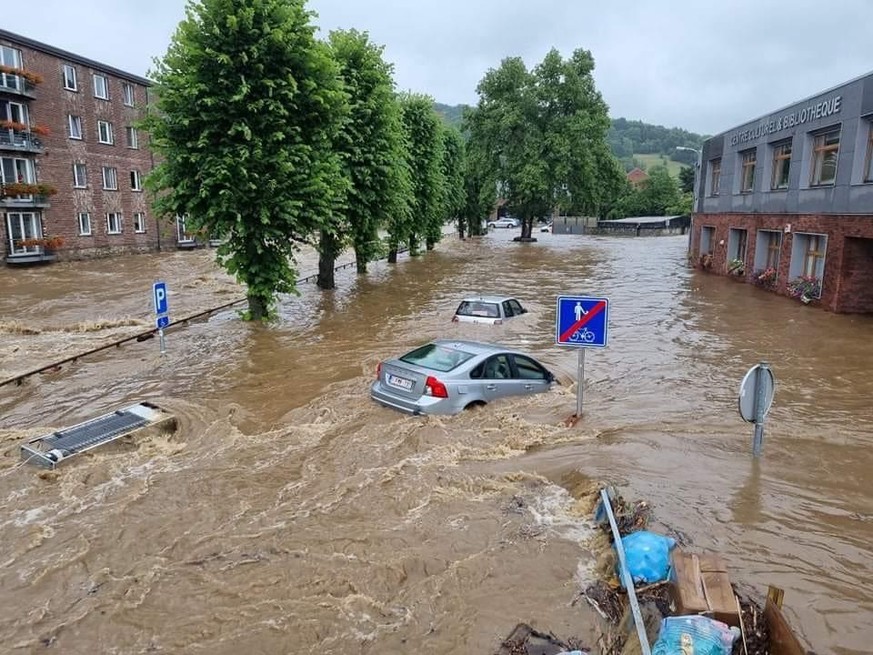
654, 160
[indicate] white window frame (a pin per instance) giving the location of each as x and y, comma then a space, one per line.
714, 176
111, 177
181, 232
109, 135
799, 261
105, 89
73, 120
707, 239
71, 83
109, 227
748, 165
135, 181
80, 182
132, 137
762, 249
738, 238
84, 221
819, 150
139, 223
9, 80
19, 164
128, 94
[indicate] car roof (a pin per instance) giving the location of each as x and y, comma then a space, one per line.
497, 299
473, 347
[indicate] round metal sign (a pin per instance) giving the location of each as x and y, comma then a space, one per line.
749, 391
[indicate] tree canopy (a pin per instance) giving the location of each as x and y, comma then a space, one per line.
540, 137
248, 106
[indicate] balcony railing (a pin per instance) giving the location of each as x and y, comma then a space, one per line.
25, 194
20, 141
18, 81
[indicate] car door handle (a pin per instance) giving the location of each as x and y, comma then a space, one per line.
528, 387
491, 387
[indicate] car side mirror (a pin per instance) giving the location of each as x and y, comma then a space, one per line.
523, 310
550, 377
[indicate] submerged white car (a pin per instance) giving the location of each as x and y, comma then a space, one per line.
504, 222
488, 309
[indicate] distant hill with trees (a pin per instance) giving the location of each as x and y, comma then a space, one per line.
634, 143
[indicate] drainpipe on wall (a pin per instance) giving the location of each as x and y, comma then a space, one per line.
152, 164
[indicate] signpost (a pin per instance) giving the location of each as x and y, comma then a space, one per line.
755, 399
162, 309
581, 322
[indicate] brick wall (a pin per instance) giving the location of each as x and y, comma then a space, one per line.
51, 108
848, 265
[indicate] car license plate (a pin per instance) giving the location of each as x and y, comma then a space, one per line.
400, 383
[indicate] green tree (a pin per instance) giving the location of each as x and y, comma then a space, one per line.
424, 155
371, 148
248, 105
686, 179
657, 196
541, 137
453, 168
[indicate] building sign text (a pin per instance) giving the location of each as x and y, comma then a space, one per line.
822, 109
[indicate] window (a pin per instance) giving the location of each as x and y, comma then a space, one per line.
868, 168
495, 368
436, 357
715, 176
139, 222
113, 223
75, 125
781, 166
80, 176
128, 93
70, 78
707, 236
737, 245
825, 149
768, 248
15, 112
132, 138
21, 226
747, 173
528, 369
11, 58
84, 224
808, 258
110, 178
104, 132
14, 170
101, 87
135, 181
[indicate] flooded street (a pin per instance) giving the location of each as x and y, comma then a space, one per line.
290, 514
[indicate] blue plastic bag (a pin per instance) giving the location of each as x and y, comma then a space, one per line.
648, 556
695, 634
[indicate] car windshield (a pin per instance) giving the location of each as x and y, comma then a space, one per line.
436, 357
478, 308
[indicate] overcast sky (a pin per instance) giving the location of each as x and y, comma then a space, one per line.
704, 66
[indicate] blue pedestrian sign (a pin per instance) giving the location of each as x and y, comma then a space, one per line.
162, 321
162, 303
582, 322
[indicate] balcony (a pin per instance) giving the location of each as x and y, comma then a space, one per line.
30, 256
25, 195
19, 140
18, 82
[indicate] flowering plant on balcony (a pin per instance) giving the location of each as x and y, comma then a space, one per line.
13, 125
805, 288
41, 130
766, 278
736, 267
48, 243
33, 78
26, 189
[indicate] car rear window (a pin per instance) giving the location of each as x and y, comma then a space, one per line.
478, 308
436, 357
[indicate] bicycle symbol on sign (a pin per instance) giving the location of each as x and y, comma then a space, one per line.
584, 336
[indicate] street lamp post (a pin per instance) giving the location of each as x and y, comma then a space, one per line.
696, 185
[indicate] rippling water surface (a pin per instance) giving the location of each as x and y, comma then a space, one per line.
289, 514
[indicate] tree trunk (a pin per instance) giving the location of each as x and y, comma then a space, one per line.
392, 255
526, 228
413, 247
429, 244
462, 227
327, 260
360, 263
257, 308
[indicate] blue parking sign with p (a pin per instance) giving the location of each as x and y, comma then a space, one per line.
582, 322
162, 304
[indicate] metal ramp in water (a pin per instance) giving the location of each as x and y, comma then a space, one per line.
51, 449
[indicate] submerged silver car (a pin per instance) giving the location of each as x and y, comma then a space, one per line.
487, 309
447, 377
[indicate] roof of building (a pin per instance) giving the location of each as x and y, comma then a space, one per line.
637, 175
642, 220
71, 57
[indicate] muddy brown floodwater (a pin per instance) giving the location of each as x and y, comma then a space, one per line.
289, 514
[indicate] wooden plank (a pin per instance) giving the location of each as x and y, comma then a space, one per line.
783, 641
687, 586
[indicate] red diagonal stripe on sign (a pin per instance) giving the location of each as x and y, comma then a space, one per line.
594, 311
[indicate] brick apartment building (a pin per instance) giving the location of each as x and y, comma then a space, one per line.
786, 201
73, 160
